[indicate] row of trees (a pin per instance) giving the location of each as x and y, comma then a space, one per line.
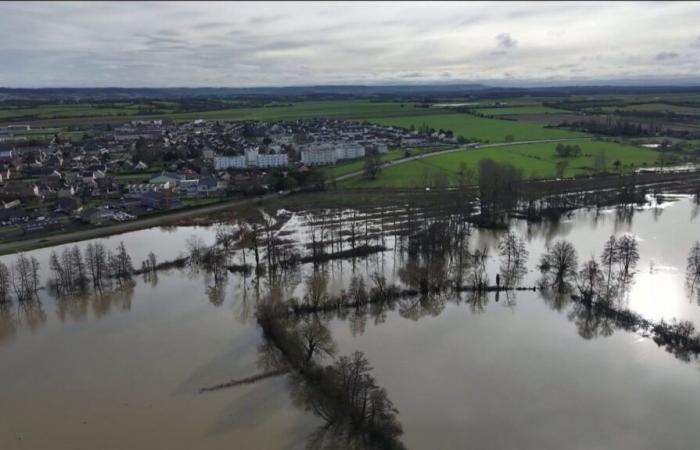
560, 268
74, 272
20, 279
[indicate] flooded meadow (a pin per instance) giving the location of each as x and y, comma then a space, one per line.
387, 327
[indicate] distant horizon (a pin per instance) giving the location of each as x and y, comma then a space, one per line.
516, 84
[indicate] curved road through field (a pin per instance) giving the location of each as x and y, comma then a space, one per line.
462, 148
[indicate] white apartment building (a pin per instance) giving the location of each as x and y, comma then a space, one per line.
349, 150
273, 160
252, 158
319, 156
325, 154
228, 162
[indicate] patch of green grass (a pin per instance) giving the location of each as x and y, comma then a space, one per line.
535, 160
485, 130
516, 110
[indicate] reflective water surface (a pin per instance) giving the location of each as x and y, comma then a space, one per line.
524, 369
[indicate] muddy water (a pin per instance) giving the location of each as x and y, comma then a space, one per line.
124, 370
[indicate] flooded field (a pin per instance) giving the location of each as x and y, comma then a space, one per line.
387, 328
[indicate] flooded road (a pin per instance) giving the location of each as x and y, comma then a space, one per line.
124, 369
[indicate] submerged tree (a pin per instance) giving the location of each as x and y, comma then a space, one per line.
610, 258
693, 267
97, 263
120, 264
514, 254
4, 284
590, 280
560, 263
25, 277
628, 255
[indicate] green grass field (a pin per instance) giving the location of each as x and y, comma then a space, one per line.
68, 111
63, 115
486, 130
517, 110
657, 107
353, 109
536, 161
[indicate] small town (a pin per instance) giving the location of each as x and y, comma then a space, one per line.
120, 173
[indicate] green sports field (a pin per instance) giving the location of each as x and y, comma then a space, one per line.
536, 161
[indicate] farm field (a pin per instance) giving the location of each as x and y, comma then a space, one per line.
63, 115
68, 111
535, 160
479, 128
518, 110
353, 109
656, 107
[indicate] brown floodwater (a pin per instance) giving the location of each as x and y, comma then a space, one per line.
124, 369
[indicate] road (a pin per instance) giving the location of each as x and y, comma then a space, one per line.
454, 150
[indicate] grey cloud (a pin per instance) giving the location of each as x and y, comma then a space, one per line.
264, 20
505, 40
664, 56
210, 25
227, 44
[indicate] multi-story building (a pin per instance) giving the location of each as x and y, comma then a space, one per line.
252, 158
229, 162
349, 150
319, 156
273, 160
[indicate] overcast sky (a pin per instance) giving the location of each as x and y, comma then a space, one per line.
277, 44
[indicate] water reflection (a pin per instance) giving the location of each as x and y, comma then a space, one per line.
419, 266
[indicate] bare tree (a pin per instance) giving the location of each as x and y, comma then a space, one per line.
316, 339
78, 268
590, 280
560, 262
513, 250
96, 260
693, 268
4, 284
24, 277
609, 258
196, 248
120, 264
628, 254
357, 290
152, 261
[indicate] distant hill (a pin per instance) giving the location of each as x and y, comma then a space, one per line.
339, 91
